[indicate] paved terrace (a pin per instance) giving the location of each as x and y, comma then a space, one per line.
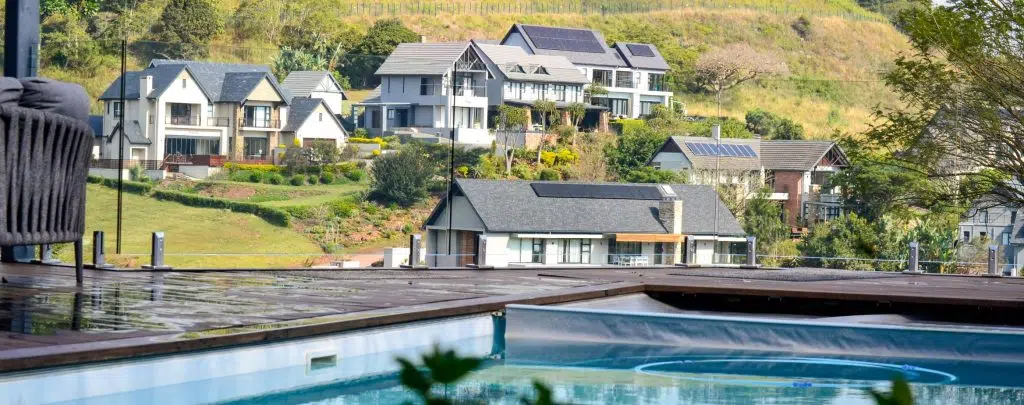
45, 320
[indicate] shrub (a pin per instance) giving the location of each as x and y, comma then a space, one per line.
312, 180
400, 178
255, 177
240, 176
274, 178
346, 167
344, 208
133, 187
355, 175
326, 178
272, 215
298, 180
232, 167
627, 126
375, 153
522, 172
360, 133
802, 26
378, 140
548, 174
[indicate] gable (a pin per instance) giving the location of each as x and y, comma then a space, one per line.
327, 85
265, 92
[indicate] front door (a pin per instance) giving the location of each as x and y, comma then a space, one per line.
466, 245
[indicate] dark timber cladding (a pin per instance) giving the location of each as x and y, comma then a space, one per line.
640, 50
564, 39
602, 191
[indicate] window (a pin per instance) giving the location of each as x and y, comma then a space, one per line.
321, 117
574, 251
516, 90
624, 79
184, 84
1006, 238
967, 236
257, 116
542, 91
181, 114
255, 148
389, 85
656, 82
117, 108
559, 92
983, 235
188, 146
659, 253
209, 110
526, 250
537, 251
1013, 216
602, 77
647, 106
426, 86
983, 216
540, 70
617, 106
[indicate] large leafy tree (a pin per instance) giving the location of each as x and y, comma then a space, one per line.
962, 119
367, 55
400, 178
633, 150
187, 26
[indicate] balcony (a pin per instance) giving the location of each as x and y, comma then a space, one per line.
624, 80
183, 120
218, 121
471, 91
257, 123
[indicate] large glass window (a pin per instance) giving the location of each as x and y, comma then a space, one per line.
426, 86
574, 251
624, 79
559, 92
257, 116
602, 77
617, 106
181, 114
647, 106
656, 82
255, 148
189, 146
525, 250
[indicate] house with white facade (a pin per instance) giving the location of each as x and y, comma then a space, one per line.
506, 223
633, 74
316, 84
201, 113
796, 172
430, 88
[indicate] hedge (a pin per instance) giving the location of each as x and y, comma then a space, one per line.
134, 187
272, 215
232, 167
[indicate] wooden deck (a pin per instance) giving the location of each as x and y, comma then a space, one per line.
46, 320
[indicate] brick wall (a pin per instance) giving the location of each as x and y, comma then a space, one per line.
792, 183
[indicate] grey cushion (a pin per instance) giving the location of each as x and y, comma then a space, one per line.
10, 91
67, 99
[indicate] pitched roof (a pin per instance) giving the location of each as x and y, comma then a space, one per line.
535, 68
211, 77
96, 123
417, 58
653, 61
301, 109
133, 134
703, 161
795, 155
607, 57
514, 206
302, 83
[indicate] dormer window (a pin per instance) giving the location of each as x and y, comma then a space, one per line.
518, 69
184, 83
540, 70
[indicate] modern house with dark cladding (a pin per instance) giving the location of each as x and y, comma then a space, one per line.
632, 73
507, 223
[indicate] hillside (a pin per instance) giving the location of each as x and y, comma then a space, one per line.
834, 82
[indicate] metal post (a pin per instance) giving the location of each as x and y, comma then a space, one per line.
46, 255
751, 253
120, 142
716, 132
912, 263
414, 251
451, 164
157, 253
992, 265
99, 251
481, 254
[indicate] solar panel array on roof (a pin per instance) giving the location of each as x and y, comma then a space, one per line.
596, 191
640, 50
727, 150
563, 39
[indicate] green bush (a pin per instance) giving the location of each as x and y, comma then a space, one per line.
312, 179
355, 175
272, 215
548, 174
326, 178
298, 180
522, 172
344, 208
134, 187
255, 177
241, 176
627, 126
233, 167
274, 178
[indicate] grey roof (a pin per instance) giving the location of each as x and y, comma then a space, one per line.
508, 58
722, 162
302, 83
513, 206
433, 58
656, 62
301, 109
794, 155
133, 134
608, 58
221, 82
96, 123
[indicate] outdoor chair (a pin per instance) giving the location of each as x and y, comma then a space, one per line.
44, 158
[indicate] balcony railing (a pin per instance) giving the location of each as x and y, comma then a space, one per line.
114, 164
254, 123
182, 120
471, 91
657, 87
218, 121
624, 81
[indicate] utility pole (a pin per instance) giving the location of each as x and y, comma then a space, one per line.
716, 132
120, 142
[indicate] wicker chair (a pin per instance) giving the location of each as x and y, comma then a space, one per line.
44, 161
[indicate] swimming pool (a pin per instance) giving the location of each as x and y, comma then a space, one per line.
588, 356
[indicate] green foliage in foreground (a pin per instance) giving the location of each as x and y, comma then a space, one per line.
134, 187
272, 215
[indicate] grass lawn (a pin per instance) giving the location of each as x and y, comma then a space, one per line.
189, 230
282, 195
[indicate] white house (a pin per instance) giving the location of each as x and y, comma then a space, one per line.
633, 74
796, 171
416, 93
506, 223
202, 113
316, 84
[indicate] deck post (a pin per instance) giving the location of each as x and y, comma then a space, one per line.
99, 251
157, 253
992, 265
751, 253
913, 265
415, 244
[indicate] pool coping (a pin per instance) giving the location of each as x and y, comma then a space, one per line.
34, 358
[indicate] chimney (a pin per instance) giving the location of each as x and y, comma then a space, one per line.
670, 213
145, 86
423, 39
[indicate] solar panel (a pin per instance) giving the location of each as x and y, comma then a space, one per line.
727, 150
564, 39
596, 191
640, 50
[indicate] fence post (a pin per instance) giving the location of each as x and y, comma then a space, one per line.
992, 266
751, 253
46, 255
99, 251
414, 251
157, 253
912, 263
481, 254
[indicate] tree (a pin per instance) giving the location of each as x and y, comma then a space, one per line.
634, 150
324, 153
649, 174
187, 26
733, 65
576, 112
773, 127
763, 219
961, 117
257, 19
511, 121
367, 55
400, 178
546, 108
840, 240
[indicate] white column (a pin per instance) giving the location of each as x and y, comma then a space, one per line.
383, 119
